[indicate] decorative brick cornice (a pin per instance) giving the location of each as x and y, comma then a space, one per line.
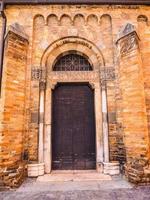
119, 2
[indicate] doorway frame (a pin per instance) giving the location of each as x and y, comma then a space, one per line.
48, 123
52, 78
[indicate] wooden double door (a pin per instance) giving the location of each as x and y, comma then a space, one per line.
73, 127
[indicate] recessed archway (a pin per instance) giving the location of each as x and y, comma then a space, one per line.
52, 78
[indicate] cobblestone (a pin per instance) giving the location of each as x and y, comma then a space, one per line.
117, 189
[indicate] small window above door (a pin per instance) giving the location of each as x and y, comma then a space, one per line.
72, 62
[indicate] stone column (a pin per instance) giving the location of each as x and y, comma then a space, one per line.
41, 123
99, 134
111, 168
105, 122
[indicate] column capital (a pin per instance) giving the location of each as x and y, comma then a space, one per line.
42, 85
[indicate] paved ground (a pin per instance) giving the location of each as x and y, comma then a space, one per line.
116, 189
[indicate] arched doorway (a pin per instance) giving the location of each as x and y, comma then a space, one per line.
73, 119
89, 62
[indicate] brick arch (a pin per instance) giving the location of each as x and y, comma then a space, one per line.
38, 16
65, 20
79, 19
92, 19
52, 20
68, 44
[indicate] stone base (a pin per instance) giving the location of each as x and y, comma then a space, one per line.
74, 175
35, 170
112, 168
12, 176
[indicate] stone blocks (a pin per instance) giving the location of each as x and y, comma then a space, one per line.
112, 168
126, 72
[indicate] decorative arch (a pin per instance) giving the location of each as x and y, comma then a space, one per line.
79, 20
65, 20
106, 16
38, 16
84, 46
92, 20
52, 20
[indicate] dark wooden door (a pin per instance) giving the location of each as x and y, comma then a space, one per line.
73, 127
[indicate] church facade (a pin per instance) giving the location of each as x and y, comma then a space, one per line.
75, 87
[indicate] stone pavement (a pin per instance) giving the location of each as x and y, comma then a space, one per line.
115, 189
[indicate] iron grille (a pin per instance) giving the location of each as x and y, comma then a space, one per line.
72, 62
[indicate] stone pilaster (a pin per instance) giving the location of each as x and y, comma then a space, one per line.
13, 106
133, 103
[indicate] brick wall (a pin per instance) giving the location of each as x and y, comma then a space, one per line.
13, 107
127, 84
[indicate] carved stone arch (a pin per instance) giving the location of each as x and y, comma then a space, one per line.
52, 20
79, 19
65, 20
68, 44
92, 20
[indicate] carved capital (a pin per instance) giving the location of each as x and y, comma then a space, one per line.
107, 73
42, 85
103, 84
36, 74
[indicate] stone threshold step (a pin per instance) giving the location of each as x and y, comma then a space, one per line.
64, 176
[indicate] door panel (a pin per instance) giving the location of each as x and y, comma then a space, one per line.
73, 127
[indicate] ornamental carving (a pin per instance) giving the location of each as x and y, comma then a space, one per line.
42, 85
128, 44
36, 74
75, 76
127, 39
107, 73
